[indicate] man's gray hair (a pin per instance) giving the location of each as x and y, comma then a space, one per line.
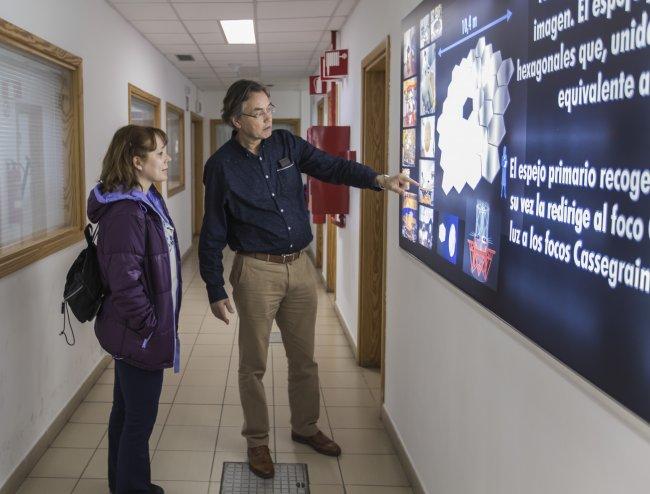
238, 93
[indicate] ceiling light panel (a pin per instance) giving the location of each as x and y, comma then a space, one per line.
239, 31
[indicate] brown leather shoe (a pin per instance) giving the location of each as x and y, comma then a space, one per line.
319, 442
260, 462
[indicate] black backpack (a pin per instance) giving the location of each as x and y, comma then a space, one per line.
83, 292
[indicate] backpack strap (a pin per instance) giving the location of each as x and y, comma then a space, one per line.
66, 314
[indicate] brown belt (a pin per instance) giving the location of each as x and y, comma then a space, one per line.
277, 258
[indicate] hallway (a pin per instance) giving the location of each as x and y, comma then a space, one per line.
200, 418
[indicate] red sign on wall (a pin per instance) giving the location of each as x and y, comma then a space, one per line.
334, 64
318, 86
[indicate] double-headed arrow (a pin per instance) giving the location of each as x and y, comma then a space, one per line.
505, 17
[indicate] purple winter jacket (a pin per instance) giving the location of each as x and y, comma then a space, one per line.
137, 322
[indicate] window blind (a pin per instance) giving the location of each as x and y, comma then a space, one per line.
35, 144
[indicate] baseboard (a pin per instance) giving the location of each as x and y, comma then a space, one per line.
347, 332
28, 463
404, 458
188, 252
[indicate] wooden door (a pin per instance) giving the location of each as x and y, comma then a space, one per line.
372, 259
197, 173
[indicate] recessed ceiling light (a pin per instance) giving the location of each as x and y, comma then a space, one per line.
239, 32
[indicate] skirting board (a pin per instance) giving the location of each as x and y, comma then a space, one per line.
347, 332
346, 329
188, 252
31, 459
403, 456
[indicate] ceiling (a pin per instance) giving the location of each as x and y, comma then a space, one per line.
291, 35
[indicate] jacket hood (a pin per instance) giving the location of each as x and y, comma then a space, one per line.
98, 201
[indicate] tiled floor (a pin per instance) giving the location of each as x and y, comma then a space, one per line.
200, 418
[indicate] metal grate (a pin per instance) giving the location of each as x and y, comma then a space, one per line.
290, 478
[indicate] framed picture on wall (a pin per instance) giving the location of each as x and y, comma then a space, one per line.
175, 149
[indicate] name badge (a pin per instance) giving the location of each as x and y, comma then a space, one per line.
284, 164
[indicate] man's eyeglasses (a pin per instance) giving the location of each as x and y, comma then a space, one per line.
270, 110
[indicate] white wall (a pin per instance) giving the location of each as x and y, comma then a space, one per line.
479, 408
38, 372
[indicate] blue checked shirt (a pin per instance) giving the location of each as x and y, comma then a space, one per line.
256, 203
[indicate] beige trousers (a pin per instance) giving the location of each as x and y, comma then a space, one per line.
264, 291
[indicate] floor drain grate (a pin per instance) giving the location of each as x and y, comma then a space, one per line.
275, 337
290, 478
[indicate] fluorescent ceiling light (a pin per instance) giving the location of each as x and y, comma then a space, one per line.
240, 32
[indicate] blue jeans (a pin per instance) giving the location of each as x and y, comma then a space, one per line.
135, 406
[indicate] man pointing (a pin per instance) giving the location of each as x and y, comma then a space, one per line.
254, 203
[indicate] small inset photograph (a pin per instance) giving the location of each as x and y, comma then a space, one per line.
409, 102
428, 80
448, 237
436, 22
427, 181
481, 254
410, 53
427, 137
425, 31
408, 147
425, 231
409, 217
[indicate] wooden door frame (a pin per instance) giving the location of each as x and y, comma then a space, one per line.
330, 279
318, 261
371, 322
197, 173
320, 111
332, 247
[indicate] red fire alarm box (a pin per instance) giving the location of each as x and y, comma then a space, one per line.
329, 198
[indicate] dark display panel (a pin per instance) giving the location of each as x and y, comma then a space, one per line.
527, 125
